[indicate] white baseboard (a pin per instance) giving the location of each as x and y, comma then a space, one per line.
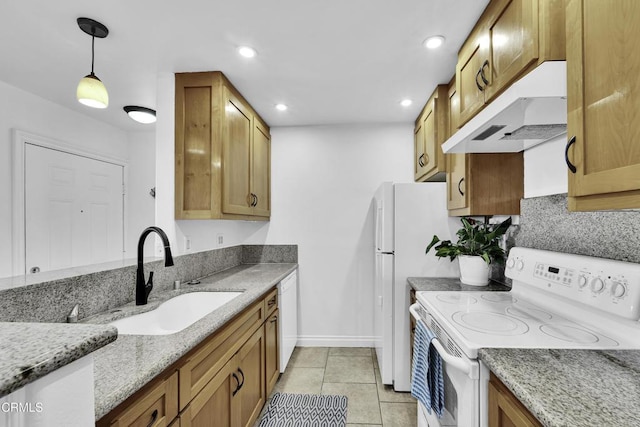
335, 341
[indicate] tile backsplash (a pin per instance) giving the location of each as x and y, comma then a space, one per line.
104, 290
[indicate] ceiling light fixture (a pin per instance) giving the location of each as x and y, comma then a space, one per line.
433, 42
247, 52
281, 107
91, 90
406, 102
141, 114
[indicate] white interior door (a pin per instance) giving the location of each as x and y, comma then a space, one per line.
74, 210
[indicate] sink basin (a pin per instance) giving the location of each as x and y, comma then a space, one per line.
175, 314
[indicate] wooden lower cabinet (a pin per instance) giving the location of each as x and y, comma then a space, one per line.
220, 383
272, 365
505, 410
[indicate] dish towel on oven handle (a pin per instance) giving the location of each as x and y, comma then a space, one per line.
427, 381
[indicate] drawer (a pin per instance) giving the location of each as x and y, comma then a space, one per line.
156, 407
271, 302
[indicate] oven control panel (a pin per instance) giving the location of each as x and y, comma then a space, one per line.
608, 285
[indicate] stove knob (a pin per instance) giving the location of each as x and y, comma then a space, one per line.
519, 265
510, 263
582, 282
597, 285
617, 289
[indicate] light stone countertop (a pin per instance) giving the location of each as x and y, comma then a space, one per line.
124, 366
576, 388
29, 351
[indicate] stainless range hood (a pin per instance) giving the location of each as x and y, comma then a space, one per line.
531, 111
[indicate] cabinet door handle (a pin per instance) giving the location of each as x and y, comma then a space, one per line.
271, 302
482, 76
242, 383
238, 384
480, 88
459, 184
420, 160
275, 319
255, 203
154, 417
570, 165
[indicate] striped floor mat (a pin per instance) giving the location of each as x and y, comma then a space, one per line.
305, 410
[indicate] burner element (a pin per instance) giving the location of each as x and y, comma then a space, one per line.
490, 323
499, 297
567, 333
456, 298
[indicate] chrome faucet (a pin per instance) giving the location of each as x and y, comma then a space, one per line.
143, 290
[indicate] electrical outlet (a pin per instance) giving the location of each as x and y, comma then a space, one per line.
187, 243
220, 239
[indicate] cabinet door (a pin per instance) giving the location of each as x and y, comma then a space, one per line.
470, 86
214, 405
457, 192
505, 410
272, 367
261, 170
252, 394
513, 36
419, 151
603, 74
236, 156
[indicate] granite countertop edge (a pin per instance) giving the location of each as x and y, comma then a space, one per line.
34, 350
571, 387
420, 284
155, 353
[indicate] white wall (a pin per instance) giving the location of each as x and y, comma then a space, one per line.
545, 170
323, 180
24, 111
142, 178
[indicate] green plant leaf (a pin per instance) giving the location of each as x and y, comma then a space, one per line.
432, 244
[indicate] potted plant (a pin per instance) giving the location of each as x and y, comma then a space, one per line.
477, 247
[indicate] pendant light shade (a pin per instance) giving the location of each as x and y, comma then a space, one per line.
91, 91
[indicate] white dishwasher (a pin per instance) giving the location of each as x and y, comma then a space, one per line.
288, 325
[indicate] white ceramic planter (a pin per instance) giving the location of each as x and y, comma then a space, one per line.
474, 270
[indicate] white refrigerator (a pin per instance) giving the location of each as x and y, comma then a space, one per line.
406, 218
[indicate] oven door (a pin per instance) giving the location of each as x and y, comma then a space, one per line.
461, 384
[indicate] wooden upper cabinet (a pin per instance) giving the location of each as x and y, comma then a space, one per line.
430, 132
215, 151
510, 39
603, 76
456, 163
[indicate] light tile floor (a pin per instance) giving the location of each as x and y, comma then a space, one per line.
352, 372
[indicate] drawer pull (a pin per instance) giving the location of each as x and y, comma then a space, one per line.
275, 319
570, 165
271, 302
154, 417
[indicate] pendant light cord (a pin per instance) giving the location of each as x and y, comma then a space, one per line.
93, 42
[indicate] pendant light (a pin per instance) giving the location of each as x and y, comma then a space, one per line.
91, 90
141, 114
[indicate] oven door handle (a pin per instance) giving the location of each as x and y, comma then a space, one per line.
470, 369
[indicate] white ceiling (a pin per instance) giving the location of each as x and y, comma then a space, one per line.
331, 61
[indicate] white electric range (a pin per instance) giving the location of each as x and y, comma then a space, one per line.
557, 300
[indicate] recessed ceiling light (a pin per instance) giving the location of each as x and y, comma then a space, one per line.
141, 114
247, 52
433, 42
281, 107
406, 102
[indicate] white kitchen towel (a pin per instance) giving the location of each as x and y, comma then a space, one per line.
427, 382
